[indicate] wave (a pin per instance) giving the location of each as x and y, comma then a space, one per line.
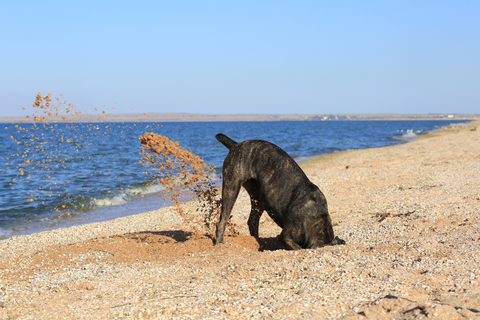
109, 201
408, 136
124, 195
116, 198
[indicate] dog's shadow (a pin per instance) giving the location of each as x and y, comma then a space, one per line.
176, 235
265, 244
270, 244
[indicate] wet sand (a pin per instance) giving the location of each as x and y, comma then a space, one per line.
410, 215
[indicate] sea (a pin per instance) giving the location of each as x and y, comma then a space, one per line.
64, 174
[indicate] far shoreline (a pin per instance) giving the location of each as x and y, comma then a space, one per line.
192, 117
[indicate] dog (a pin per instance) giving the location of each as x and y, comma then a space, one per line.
277, 185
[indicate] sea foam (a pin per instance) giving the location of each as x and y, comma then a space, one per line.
124, 195
408, 136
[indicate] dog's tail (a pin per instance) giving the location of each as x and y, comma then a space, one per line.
226, 141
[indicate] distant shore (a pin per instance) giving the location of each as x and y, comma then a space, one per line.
194, 117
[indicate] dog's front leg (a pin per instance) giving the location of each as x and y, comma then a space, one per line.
229, 195
222, 223
220, 229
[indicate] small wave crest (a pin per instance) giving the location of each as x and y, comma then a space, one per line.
121, 196
409, 135
109, 201
115, 198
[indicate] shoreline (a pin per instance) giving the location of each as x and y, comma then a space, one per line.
305, 164
104, 214
192, 117
155, 200
410, 214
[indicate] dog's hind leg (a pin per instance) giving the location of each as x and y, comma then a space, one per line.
257, 210
288, 241
229, 195
254, 218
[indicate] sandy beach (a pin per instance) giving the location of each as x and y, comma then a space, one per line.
410, 216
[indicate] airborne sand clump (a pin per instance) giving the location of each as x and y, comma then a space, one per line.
41, 156
184, 175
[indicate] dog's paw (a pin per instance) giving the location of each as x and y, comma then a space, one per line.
337, 240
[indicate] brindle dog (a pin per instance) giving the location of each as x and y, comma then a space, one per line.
277, 185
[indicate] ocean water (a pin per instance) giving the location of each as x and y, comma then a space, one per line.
59, 175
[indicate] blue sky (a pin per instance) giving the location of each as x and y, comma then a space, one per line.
232, 57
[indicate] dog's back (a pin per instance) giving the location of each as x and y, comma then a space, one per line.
261, 160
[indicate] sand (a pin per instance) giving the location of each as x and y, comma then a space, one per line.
410, 215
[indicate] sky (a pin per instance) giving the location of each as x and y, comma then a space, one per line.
242, 57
